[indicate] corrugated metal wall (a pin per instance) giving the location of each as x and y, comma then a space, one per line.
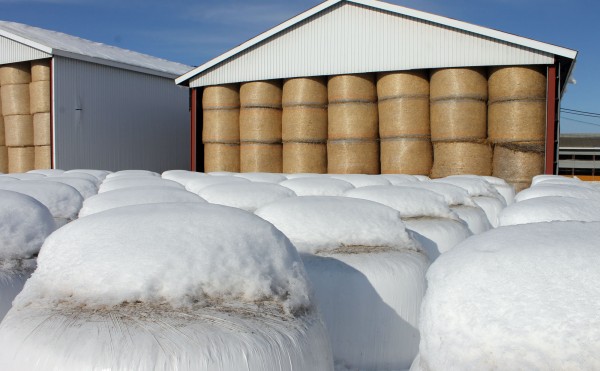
13, 52
113, 119
351, 38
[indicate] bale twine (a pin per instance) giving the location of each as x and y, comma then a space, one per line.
15, 99
353, 157
458, 104
18, 130
40, 70
43, 157
15, 73
41, 129
261, 157
406, 156
221, 157
518, 163
21, 159
3, 159
456, 158
304, 157
39, 96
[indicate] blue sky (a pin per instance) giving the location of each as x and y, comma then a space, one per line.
193, 32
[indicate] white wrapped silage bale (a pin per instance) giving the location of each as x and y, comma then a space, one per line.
26, 176
85, 187
560, 190
549, 209
98, 174
317, 186
361, 180
47, 172
129, 173
197, 185
181, 176
262, 177
132, 181
245, 196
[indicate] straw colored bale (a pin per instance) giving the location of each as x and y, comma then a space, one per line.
407, 116
40, 70
221, 125
221, 96
518, 163
221, 157
458, 120
39, 96
406, 156
260, 125
43, 157
456, 158
261, 157
304, 158
15, 99
353, 121
458, 83
353, 157
352, 88
18, 130
304, 123
518, 120
15, 73
2, 137
402, 84
517, 82
3, 159
261, 94
307, 91
21, 159
42, 134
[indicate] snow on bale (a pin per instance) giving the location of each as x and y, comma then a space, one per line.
305, 175
63, 201
368, 275
131, 173
506, 190
132, 181
24, 225
86, 188
197, 185
262, 177
548, 209
6, 178
245, 196
181, 176
564, 190
425, 214
168, 287
362, 180
400, 178
26, 176
317, 186
47, 172
98, 174
135, 196
544, 177
518, 298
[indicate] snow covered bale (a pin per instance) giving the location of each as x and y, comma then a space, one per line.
6, 178
197, 185
564, 190
47, 172
166, 286
131, 173
506, 190
26, 176
362, 180
519, 297
135, 196
552, 178
245, 196
98, 174
85, 187
367, 273
400, 178
548, 209
317, 186
181, 176
132, 181
263, 177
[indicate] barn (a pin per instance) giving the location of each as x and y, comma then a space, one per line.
72, 103
362, 86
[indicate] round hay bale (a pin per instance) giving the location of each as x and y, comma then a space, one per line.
353, 121
221, 157
406, 156
43, 157
304, 91
221, 96
304, 123
462, 83
21, 159
458, 120
39, 96
40, 70
261, 158
517, 82
304, 158
517, 120
15, 73
18, 130
221, 125
15, 99
456, 158
260, 125
2, 137
404, 116
261, 94
353, 157
3, 159
518, 163
402, 84
352, 88
42, 134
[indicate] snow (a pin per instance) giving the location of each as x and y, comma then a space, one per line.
474, 186
518, 297
181, 176
131, 173
304, 175
245, 196
400, 178
492, 206
98, 174
361, 180
554, 178
566, 190
506, 190
453, 195
13, 275
198, 184
86, 188
136, 182
135, 196
317, 186
437, 235
25, 176
547, 209
47, 172
6, 178
321, 223
474, 216
422, 178
263, 177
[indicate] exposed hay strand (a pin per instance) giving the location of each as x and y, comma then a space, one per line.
15, 99
221, 157
221, 96
261, 157
40, 70
456, 158
518, 163
406, 156
15, 73
353, 157
41, 129
304, 158
21, 159
43, 157
39, 96
18, 130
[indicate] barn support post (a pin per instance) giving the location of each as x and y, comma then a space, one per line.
193, 127
551, 121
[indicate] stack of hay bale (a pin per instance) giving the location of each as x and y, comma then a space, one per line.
517, 123
221, 128
352, 144
261, 148
403, 103
459, 122
39, 92
3, 149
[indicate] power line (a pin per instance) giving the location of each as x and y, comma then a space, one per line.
581, 113
582, 122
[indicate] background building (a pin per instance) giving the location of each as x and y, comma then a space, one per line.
579, 155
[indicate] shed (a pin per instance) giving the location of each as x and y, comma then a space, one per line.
365, 86
73, 103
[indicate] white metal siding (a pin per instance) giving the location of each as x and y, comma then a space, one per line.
114, 119
352, 38
13, 52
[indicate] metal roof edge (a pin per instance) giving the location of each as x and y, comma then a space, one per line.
27, 42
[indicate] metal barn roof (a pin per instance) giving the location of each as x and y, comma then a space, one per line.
20, 42
353, 36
